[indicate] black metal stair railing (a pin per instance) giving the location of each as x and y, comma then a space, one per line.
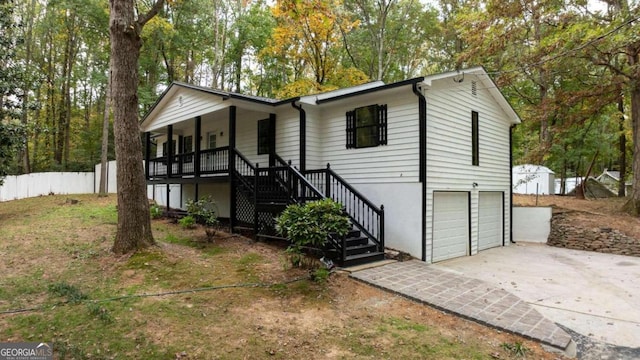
365, 215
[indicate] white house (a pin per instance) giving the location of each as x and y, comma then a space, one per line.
533, 179
434, 150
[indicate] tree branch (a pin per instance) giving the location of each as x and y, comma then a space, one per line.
143, 19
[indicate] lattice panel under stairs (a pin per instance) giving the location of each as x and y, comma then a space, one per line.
244, 208
267, 223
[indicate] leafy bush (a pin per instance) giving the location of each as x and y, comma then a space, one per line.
156, 211
204, 211
187, 222
320, 275
309, 225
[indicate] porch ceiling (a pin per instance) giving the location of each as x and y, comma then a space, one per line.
221, 116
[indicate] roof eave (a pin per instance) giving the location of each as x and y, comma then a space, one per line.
370, 90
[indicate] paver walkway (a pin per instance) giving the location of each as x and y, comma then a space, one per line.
470, 298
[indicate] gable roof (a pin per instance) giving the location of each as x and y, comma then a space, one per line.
316, 99
176, 86
487, 83
355, 90
615, 175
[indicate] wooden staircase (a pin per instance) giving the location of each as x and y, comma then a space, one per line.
272, 189
358, 250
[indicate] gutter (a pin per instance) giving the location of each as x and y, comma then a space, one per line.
511, 183
412, 82
422, 120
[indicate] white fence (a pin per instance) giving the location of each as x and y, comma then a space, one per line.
38, 184
112, 186
17, 187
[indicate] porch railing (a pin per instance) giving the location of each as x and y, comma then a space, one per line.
365, 215
212, 161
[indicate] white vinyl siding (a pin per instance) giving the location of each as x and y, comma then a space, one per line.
314, 138
288, 134
396, 162
215, 123
247, 137
449, 148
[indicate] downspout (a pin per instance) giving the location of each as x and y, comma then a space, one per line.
422, 119
511, 183
303, 136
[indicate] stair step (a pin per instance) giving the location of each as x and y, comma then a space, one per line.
360, 259
361, 249
355, 241
355, 233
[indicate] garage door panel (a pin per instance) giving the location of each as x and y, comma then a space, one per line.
490, 227
450, 225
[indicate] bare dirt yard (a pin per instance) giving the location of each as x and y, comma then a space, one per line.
191, 299
588, 213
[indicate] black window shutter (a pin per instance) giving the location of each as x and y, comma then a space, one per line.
351, 129
382, 124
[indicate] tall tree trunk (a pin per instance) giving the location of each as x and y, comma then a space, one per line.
633, 205
28, 39
622, 148
104, 151
134, 220
70, 63
63, 106
36, 133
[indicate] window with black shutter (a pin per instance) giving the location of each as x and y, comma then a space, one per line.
266, 136
173, 147
475, 139
367, 126
187, 145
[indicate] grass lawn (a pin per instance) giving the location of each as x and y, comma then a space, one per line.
230, 299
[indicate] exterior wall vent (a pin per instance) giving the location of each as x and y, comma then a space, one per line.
474, 88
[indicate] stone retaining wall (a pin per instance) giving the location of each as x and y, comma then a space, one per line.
605, 240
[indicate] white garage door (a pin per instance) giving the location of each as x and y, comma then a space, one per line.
490, 229
450, 225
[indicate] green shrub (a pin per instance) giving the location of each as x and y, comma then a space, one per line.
156, 211
187, 222
320, 275
309, 225
204, 211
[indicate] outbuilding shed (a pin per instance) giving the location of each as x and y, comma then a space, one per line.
533, 179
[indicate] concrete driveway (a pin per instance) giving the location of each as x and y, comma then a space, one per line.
596, 295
